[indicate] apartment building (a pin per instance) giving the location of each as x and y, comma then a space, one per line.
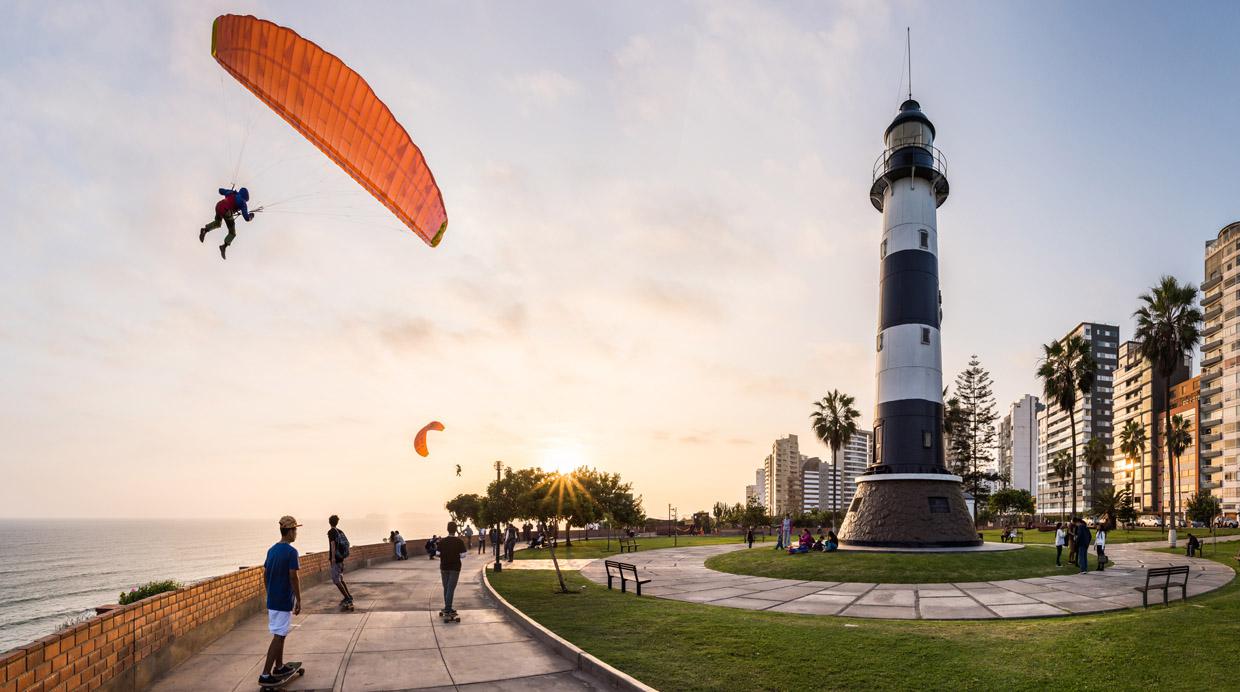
1017, 453
1185, 402
1093, 419
1141, 396
783, 477
1219, 421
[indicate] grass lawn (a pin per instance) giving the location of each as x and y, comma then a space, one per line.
895, 568
685, 646
597, 547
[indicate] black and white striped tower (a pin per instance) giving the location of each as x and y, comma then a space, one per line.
907, 497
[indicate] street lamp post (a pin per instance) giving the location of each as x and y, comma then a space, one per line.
499, 465
671, 511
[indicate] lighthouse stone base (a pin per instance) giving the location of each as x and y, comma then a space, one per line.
909, 511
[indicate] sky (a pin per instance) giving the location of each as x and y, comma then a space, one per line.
660, 252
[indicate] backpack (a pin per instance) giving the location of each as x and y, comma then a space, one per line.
342, 545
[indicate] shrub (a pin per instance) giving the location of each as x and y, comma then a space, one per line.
148, 589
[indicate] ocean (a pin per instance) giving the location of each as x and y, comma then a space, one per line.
54, 570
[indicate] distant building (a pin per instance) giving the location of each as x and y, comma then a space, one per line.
1093, 419
783, 477
1018, 444
760, 481
751, 493
1220, 370
811, 491
1185, 402
1141, 397
855, 457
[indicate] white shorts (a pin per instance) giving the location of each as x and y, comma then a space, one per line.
278, 621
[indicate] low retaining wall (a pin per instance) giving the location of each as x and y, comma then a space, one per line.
128, 647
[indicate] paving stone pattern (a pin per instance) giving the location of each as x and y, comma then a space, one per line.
394, 640
680, 574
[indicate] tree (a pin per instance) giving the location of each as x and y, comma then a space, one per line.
1109, 502
1067, 369
1204, 507
702, 520
754, 514
720, 511
1061, 465
1127, 511
1132, 441
1179, 439
835, 422
973, 434
615, 500
1095, 456
463, 508
1011, 500
554, 499
1169, 328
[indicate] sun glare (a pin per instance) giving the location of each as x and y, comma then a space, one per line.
562, 457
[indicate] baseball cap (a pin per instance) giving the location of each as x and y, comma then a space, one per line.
287, 522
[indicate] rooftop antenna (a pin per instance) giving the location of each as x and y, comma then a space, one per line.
908, 35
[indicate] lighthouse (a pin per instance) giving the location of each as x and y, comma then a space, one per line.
907, 498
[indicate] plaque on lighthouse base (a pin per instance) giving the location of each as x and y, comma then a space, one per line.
909, 510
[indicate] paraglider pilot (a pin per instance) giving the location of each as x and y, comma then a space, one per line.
233, 204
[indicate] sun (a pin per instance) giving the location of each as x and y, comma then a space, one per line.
562, 457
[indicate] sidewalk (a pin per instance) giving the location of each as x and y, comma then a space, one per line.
680, 574
393, 641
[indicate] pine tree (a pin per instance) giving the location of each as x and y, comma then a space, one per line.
973, 440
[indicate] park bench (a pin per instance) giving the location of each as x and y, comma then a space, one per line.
1019, 537
1154, 574
629, 544
621, 568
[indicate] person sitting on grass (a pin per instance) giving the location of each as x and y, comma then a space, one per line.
833, 542
820, 543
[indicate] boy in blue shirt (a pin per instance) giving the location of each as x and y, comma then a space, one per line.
283, 598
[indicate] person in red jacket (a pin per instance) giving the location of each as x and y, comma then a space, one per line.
233, 204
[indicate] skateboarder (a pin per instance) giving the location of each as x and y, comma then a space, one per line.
338, 549
451, 550
283, 600
233, 204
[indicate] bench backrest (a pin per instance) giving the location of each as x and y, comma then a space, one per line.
1166, 573
622, 566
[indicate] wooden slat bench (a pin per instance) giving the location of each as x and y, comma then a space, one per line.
629, 544
1164, 574
621, 568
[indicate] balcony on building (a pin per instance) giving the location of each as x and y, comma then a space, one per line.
1211, 438
1210, 315
1211, 362
1211, 330
1212, 345
1208, 423
909, 157
1211, 470
1208, 377
1207, 393
1212, 298
1212, 454
1210, 408
1211, 282
1211, 485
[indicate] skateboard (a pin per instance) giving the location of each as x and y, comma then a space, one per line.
449, 616
347, 605
297, 672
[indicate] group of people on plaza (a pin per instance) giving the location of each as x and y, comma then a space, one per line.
1076, 537
806, 543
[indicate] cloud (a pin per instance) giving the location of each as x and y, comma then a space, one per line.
541, 89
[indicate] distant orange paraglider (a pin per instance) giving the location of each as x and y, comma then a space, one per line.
419, 442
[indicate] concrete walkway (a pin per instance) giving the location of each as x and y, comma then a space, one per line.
680, 574
393, 641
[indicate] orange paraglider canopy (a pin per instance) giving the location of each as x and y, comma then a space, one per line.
419, 442
334, 108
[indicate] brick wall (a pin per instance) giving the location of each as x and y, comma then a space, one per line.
125, 648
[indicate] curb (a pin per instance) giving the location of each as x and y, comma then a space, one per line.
586, 663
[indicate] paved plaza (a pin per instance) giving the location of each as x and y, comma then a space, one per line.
680, 574
394, 640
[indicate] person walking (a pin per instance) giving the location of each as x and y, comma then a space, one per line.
482, 540
1070, 530
495, 539
1083, 539
1100, 545
785, 534
1060, 539
338, 550
451, 551
525, 532
469, 537
510, 541
283, 599
749, 536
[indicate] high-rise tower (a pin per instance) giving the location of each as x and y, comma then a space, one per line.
907, 497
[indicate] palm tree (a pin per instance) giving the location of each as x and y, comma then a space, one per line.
1168, 327
1061, 464
1107, 502
1067, 369
1095, 456
835, 422
1132, 441
1179, 439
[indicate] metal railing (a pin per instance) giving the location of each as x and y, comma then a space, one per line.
932, 158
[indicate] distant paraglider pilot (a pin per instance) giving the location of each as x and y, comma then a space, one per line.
233, 204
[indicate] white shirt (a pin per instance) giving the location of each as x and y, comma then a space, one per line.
1101, 539
1059, 537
